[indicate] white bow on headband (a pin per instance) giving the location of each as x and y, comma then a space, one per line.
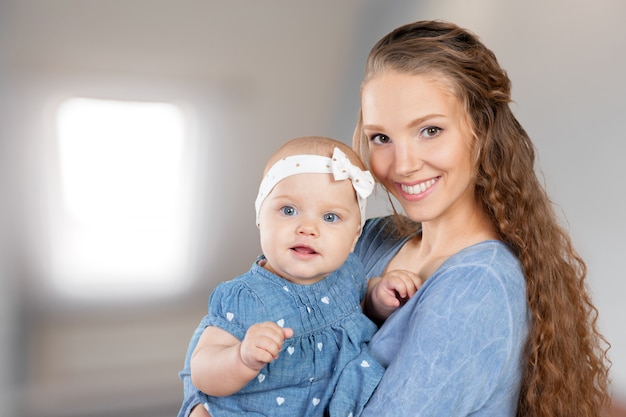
339, 165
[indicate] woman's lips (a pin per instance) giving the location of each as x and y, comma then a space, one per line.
418, 188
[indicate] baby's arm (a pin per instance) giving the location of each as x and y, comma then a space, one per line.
199, 411
221, 364
385, 294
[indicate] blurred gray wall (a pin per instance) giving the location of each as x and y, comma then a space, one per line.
257, 74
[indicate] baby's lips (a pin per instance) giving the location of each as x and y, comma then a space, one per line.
304, 249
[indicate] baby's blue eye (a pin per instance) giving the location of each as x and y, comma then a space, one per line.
289, 210
331, 217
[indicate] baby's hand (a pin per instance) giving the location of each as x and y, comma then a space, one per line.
396, 287
262, 343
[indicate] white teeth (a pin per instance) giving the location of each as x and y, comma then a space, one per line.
418, 188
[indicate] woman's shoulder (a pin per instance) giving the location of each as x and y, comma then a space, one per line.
484, 281
375, 224
391, 225
380, 240
381, 231
488, 266
489, 254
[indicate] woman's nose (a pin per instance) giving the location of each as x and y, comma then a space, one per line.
407, 160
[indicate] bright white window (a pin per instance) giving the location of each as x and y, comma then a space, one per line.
123, 229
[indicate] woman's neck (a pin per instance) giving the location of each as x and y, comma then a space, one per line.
448, 237
440, 239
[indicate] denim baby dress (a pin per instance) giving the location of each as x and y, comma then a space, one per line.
325, 368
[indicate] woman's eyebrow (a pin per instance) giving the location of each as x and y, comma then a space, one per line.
423, 119
413, 122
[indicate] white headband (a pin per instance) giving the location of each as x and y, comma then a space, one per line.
339, 165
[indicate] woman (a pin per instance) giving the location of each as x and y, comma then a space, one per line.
503, 324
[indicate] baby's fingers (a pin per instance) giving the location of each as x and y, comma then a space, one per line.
261, 345
389, 298
404, 283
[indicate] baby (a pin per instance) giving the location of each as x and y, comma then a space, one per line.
289, 338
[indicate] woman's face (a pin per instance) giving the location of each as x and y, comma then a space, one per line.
419, 145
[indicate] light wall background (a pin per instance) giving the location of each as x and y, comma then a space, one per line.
256, 74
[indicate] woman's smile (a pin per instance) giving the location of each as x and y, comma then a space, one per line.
419, 188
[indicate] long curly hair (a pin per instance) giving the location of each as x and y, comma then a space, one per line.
566, 370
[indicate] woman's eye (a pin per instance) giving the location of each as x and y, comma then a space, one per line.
431, 132
288, 210
380, 139
331, 217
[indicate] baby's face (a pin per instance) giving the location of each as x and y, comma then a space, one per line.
309, 224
